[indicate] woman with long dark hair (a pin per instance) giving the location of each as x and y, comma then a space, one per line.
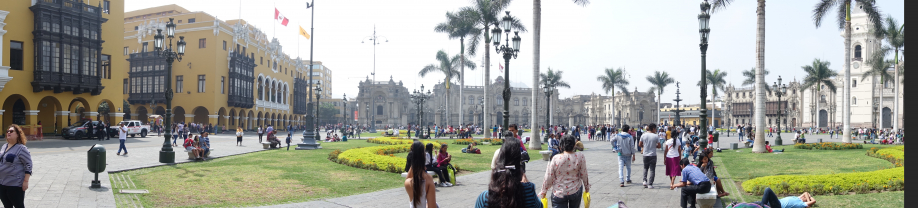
419, 185
431, 164
565, 174
508, 187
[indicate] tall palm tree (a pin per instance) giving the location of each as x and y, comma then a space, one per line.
610, 79
459, 25
448, 66
536, 48
760, 85
485, 14
895, 38
659, 80
844, 23
716, 80
879, 67
552, 80
819, 74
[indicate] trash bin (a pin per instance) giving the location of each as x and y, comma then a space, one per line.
95, 161
734, 146
716, 136
219, 129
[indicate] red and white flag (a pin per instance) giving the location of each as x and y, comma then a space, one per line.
280, 17
501, 67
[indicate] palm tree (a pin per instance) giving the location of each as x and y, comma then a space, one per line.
895, 37
459, 25
447, 65
716, 80
844, 22
536, 48
750, 78
611, 79
760, 85
879, 67
484, 13
819, 74
659, 80
552, 80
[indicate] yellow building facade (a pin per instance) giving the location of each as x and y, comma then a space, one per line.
690, 116
57, 62
231, 73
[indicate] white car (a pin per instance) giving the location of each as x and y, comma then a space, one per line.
134, 127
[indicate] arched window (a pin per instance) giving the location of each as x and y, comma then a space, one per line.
822, 98
857, 52
516, 102
261, 88
500, 101
853, 82
853, 100
471, 100
525, 102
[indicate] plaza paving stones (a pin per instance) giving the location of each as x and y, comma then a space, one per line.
61, 177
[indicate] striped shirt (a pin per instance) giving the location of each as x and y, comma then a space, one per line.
530, 200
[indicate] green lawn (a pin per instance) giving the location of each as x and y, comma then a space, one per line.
276, 177
735, 167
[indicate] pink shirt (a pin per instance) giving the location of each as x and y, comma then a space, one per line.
564, 173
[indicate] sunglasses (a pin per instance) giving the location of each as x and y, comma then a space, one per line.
11, 131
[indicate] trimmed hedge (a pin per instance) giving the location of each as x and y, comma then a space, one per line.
493, 141
842, 183
381, 158
829, 146
465, 142
895, 155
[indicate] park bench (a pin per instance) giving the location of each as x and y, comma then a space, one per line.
546, 154
266, 145
191, 155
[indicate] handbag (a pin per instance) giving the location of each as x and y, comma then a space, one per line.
544, 202
586, 200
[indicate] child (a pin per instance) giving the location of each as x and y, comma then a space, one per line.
289, 137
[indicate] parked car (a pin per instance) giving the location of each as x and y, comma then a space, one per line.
80, 129
134, 127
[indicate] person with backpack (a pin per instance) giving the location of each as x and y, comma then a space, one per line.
623, 143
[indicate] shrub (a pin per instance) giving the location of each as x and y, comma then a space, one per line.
829, 146
464, 141
493, 141
379, 158
895, 155
833, 183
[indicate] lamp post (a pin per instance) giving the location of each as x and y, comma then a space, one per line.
309, 118
780, 93
367, 118
345, 110
166, 155
419, 97
548, 92
703, 29
508, 53
481, 115
677, 122
318, 90
375, 40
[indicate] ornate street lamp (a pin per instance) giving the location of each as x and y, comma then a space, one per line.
508, 53
703, 29
781, 92
318, 90
345, 110
166, 155
419, 97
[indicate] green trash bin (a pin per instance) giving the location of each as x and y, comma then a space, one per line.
95, 161
716, 136
219, 129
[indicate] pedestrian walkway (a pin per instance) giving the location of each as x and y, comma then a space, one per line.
602, 165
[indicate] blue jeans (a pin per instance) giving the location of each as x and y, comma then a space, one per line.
174, 137
569, 201
122, 146
624, 161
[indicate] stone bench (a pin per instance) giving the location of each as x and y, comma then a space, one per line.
191, 154
707, 200
266, 145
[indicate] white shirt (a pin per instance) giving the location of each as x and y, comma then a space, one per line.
122, 133
673, 150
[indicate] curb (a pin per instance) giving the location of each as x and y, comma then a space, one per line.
157, 165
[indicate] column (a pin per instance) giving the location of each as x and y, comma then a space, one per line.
212, 119
4, 70
91, 115
31, 120
116, 117
61, 117
189, 118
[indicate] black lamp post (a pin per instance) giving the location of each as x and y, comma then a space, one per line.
318, 90
481, 115
166, 155
780, 93
419, 97
345, 111
703, 29
548, 92
508, 53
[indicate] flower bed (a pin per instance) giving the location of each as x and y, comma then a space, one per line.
493, 141
895, 155
381, 158
842, 183
829, 146
464, 141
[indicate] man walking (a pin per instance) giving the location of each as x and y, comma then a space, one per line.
624, 145
122, 136
650, 142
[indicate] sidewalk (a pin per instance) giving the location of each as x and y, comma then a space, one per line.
602, 167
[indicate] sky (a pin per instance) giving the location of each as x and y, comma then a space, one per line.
582, 41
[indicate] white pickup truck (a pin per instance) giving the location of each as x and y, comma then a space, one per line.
133, 127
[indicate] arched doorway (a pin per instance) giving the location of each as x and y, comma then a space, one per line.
15, 107
887, 118
47, 110
261, 120
104, 108
142, 114
220, 119
178, 115
160, 111
200, 115
78, 107
232, 119
823, 118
